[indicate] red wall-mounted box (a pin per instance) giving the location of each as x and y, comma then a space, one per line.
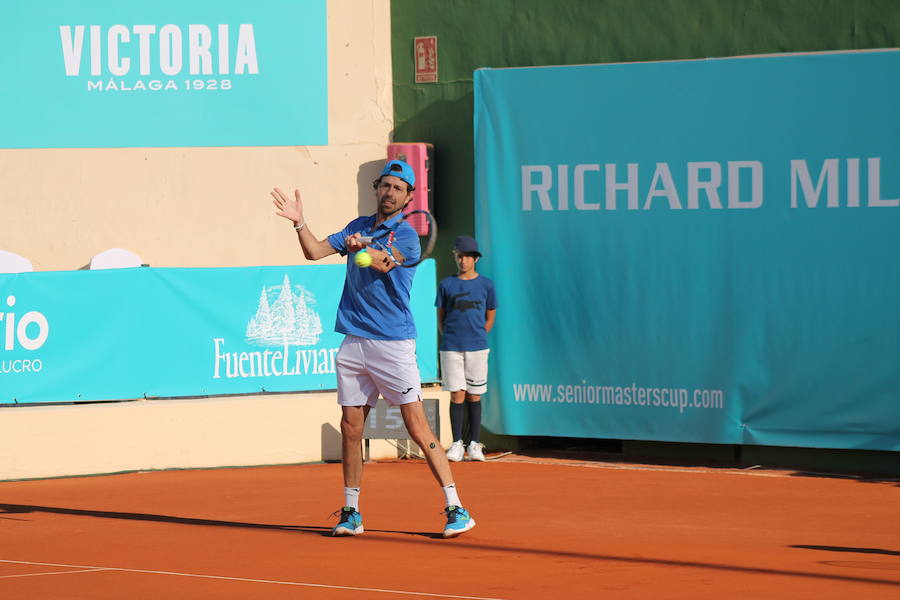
419, 156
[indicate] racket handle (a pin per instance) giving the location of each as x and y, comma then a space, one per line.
365, 239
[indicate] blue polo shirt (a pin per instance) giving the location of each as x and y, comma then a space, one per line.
375, 305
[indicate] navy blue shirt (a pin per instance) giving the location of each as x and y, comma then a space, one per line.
464, 302
375, 305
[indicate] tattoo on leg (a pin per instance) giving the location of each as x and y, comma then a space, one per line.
431, 445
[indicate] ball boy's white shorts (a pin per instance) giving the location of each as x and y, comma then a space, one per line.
367, 368
464, 371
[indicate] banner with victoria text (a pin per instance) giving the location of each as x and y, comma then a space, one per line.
166, 73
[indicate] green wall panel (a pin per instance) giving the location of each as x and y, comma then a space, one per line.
508, 33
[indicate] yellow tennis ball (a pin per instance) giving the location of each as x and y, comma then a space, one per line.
363, 259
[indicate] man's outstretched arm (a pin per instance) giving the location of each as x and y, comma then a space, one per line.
313, 248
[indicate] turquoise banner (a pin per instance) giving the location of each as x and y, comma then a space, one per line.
107, 73
694, 251
120, 334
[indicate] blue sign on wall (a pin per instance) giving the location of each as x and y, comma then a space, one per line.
119, 334
106, 73
695, 251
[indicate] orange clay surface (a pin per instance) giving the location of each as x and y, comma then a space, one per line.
546, 529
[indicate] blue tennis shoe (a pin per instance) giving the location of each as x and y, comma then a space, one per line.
350, 523
458, 521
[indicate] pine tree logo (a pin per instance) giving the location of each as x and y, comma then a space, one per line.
290, 320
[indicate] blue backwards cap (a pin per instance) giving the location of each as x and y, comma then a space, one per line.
400, 169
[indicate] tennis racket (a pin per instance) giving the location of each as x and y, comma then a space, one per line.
424, 224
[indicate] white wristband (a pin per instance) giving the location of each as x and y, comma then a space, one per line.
300, 226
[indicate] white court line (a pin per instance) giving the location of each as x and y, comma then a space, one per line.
51, 573
247, 580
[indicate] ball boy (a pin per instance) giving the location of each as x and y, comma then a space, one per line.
467, 307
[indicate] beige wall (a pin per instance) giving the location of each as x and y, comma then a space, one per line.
198, 207
53, 441
210, 207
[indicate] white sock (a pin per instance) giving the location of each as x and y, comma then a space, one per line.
351, 498
451, 495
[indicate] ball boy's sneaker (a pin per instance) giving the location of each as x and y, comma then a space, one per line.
455, 453
475, 451
350, 523
458, 521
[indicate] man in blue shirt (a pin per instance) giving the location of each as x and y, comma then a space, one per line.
378, 354
467, 306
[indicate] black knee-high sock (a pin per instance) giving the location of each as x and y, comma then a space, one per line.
474, 421
457, 416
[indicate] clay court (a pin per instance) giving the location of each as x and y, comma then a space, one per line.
547, 528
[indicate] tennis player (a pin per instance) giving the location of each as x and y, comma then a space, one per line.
467, 306
378, 354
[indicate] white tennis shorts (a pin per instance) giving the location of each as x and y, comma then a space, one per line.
367, 368
464, 371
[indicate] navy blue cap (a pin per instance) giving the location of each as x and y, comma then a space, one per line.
405, 171
466, 245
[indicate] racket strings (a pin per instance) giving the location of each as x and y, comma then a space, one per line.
427, 247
